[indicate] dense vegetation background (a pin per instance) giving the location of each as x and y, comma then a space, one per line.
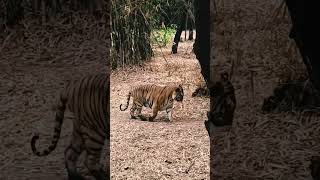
137, 26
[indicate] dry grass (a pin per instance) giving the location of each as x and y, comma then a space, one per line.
160, 150
260, 146
32, 71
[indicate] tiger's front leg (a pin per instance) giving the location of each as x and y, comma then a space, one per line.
138, 108
169, 114
132, 110
143, 118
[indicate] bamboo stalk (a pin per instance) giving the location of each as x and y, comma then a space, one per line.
43, 12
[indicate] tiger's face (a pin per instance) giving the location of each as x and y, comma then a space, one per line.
178, 94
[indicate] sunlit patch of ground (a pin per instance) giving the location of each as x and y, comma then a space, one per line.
161, 149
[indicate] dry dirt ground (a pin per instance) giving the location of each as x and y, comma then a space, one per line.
249, 34
32, 71
161, 149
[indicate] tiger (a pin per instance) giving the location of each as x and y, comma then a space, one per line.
158, 98
224, 103
88, 99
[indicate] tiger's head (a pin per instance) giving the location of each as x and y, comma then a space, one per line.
178, 94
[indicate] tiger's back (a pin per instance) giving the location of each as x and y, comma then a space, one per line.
148, 94
87, 98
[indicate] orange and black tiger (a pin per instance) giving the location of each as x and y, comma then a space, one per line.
159, 98
88, 100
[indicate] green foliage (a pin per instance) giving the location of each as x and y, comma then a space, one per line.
131, 30
163, 36
137, 25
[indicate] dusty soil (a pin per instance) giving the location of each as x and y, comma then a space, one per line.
161, 149
32, 72
249, 34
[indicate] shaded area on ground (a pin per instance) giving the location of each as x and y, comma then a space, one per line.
249, 38
33, 69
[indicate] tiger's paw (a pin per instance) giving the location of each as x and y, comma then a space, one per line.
142, 118
168, 120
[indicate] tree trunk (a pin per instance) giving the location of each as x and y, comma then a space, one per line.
201, 46
304, 32
177, 36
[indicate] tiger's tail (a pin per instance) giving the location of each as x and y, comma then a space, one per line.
128, 100
61, 107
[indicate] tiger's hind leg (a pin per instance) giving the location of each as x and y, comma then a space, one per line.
72, 153
132, 110
138, 108
93, 159
92, 163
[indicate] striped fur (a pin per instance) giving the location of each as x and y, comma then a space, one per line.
159, 98
88, 100
224, 103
